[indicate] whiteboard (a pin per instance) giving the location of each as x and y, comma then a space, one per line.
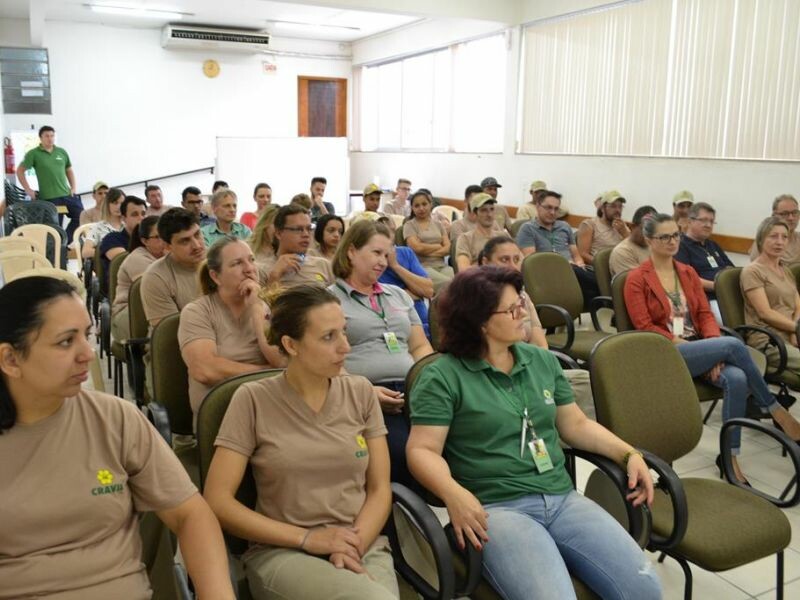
287, 165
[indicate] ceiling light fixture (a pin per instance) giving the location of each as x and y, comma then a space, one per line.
297, 25
137, 11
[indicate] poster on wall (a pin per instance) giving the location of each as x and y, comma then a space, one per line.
21, 141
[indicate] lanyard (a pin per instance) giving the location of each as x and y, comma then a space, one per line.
381, 315
675, 296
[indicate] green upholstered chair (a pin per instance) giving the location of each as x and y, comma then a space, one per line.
516, 226
715, 525
168, 578
453, 261
399, 239
795, 269
114, 348
433, 322
554, 289
602, 270
136, 345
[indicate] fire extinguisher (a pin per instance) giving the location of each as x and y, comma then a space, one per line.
8, 150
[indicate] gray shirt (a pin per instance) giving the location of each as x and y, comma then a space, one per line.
558, 239
369, 355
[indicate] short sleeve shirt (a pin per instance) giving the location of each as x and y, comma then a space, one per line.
309, 468
409, 261
134, 265
558, 239
603, 234
781, 293
434, 233
115, 239
71, 486
100, 230
483, 408
207, 318
471, 243
706, 258
212, 232
157, 212
526, 212
313, 269
369, 354
51, 171
167, 287
90, 215
627, 255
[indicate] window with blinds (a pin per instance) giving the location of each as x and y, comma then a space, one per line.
679, 78
25, 77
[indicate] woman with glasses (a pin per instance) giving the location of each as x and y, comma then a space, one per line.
666, 297
497, 409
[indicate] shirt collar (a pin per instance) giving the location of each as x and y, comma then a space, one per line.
479, 364
377, 288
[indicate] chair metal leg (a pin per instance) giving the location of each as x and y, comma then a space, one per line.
662, 557
687, 573
710, 410
779, 582
789, 487
108, 356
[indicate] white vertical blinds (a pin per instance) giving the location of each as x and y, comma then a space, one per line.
685, 78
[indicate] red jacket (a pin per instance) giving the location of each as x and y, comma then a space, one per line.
650, 309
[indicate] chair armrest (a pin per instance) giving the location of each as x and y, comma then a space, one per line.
105, 326
566, 362
730, 332
422, 517
670, 483
182, 582
158, 416
789, 445
595, 305
774, 340
568, 323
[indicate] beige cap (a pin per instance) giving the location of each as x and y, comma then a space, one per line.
98, 185
610, 197
372, 189
538, 185
479, 200
682, 197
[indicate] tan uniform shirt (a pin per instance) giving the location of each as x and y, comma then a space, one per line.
133, 267
526, 212
627, 255
434, 233
471, 243
781, 293
208, 318
392, 208
91, 215
501, 217
790, 255
313, 270
167, 287
152, 212
309, 468
604, 235
71, 486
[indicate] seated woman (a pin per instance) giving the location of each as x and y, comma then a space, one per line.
111, 220
383, 327
262, 194
315, 440
145, 247
498, 408
502, 251
221, 334
770, 293
262, 240
327, 234
428, 238
102, 461
666, 297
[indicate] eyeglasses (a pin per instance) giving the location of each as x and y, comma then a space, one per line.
711, 222
668, 237
299, 229
516, 311
787, 213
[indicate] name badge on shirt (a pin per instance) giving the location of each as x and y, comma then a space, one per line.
712, 262
390, 337
677, 326
541, 457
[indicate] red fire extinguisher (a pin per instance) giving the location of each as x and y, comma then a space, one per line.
8, 150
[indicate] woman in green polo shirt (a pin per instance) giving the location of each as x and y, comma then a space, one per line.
498, 408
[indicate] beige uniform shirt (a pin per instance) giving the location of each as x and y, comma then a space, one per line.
526, 212
501, 217
627, 255
309, 468
781, 293
91, 215
434, 233
134, 265
208, 318
604, 236
167, 287
790, 255
313, 270
71, 486
471, 243
152, 212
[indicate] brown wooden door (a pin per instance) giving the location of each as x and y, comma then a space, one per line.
321, 107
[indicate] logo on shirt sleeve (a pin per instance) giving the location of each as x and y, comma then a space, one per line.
362, 445
107, 485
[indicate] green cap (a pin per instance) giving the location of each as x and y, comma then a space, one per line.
479, 200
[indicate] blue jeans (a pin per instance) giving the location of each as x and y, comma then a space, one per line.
537, 540
738, 378
74, 209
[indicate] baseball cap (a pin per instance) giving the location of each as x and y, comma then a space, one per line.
98, 185
479, 200
683, 196
490, 182
610, 197
372, 189
538, 185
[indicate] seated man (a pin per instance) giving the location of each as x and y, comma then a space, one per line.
786, 209
318, 206
633, 250
703, 254
490, 186
95, 214
527, 211
192, 200
223, 203
681, 203
291, 264
547, 234
399, 205
155, 201
606, 230
469, 219
133, 211
372, 199
470, 244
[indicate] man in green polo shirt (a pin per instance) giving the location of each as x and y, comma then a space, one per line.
56, 178
223, 203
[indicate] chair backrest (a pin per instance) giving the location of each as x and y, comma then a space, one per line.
49, 271
170, 375
453, 262
516, 226
602, 270
549, 279
100, 270
25, 244
415, 371
80, 235
14, 194
433, 323
626, 369
451, 212
113, 269
621, 316
136, 317
729, 296
795, 269
47, 237
14, 262
398, 236
209, 420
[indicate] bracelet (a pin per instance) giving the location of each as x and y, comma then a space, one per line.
628, 455
305, 538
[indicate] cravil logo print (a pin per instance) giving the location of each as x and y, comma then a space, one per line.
107, 485
362, 447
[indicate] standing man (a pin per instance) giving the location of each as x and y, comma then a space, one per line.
633, 250
606, 230
681, 203
399, 206
155, 201
56, 178
786, 209
490, 186
470, 244
192, 200
94, 214
318, 206
223, 203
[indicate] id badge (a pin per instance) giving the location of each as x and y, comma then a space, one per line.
390, 337
712, 262
541, 457
677, 326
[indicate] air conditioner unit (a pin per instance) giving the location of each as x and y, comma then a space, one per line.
211, 38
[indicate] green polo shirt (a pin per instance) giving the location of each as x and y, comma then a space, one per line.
483, 408
51, 171
211, 232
